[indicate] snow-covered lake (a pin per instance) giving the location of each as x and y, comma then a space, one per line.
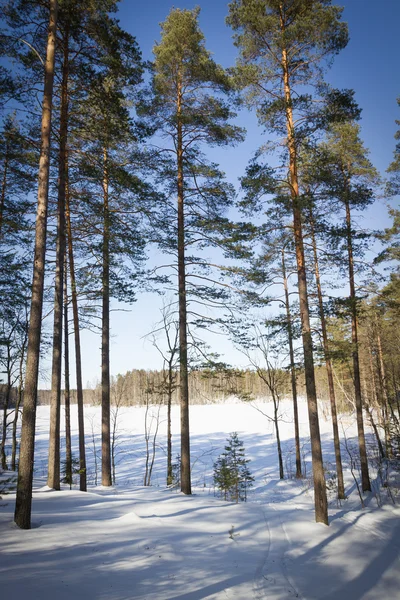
153, 543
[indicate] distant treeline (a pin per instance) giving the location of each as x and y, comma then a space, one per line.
137, 387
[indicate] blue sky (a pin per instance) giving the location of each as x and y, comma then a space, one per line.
369, 65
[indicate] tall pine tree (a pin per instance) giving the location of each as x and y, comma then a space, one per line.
283, 44
187, 109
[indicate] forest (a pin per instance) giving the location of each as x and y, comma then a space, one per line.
111, 188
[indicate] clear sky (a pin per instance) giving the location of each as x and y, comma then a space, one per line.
369, 65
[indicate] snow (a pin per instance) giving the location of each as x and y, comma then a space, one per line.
153, 543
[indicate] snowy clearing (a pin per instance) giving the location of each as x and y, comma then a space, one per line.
154, 543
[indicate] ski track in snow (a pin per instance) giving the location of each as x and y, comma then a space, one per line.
271, 578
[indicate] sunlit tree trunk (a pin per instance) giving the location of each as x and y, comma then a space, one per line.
78, 359
292, 369
328, 364
384, 392
53, 476
23, 505
183, 358
169, 428
105, 336
320, 496
4, 186
67, 393
365, 482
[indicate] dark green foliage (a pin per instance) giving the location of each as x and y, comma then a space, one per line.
394, 167
311, 33
17, 157
232, 477
204, 118
69, 469
108, 189
391, 236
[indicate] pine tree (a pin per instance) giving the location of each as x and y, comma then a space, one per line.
232, 476
81, 32
113, 192
352, 180
25, 471
76, 323
266, 274
187, 108
283, 44
223, 477
328, 361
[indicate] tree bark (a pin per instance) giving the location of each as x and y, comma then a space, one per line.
106, 478
114, 442
384, 392
67, 394
23, 505
53, 477
3, 189
320, 496
18, 404
395, 387
6, 402
183, 358
169, 432
292, 369
328, 364
376, 432
365, 482
278, 440
78, 359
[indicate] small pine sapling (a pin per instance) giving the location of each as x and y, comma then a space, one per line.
223, 478
69, 470
232, 476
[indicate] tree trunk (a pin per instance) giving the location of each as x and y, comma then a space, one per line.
18, 404
23, 505
374, 427
169, 432
78, 360
6, 402
106, 478
183, 359
396, 388
320, 496
381, 370
365, 482
67, 395
328, 364
147, 438
3, 189
278, 440
384, 392
114, 441
53, 477
154, 445
292, 369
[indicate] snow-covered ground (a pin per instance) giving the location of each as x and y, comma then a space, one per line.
153, 543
